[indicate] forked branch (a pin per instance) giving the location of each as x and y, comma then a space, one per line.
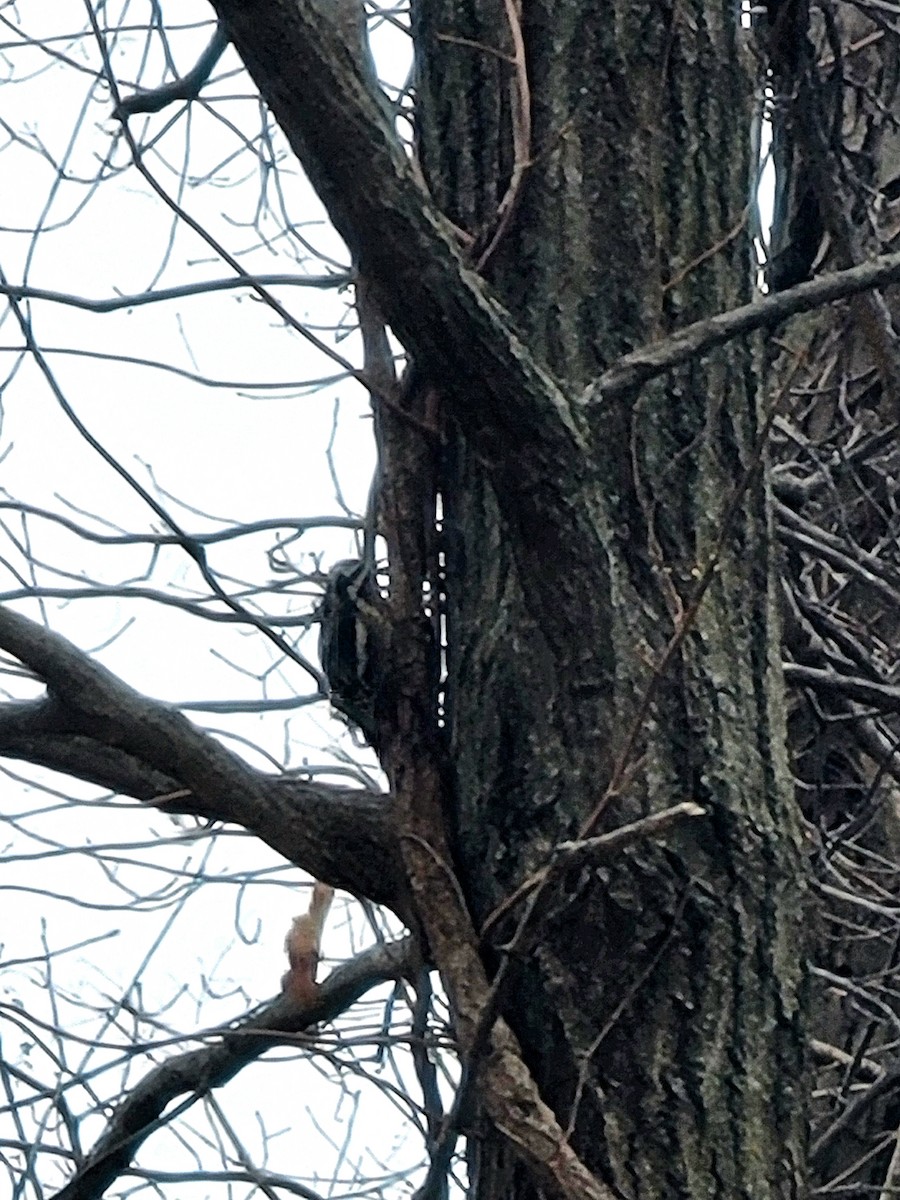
93, 726
196, 1072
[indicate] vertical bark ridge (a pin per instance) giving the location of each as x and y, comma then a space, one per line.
662, 1010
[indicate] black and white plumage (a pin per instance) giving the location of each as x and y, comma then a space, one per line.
348, 643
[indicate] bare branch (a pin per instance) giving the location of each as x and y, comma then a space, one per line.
635, 369
195, 1073
883, 696
594, 850
201, 288
94, 726
186, 87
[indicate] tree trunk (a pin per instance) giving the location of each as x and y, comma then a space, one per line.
662, 1009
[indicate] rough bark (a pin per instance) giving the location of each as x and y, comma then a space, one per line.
661, 1011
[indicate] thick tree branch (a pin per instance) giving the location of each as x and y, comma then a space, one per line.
193, 1074
399, 241
531, 439
407, 250
93, 726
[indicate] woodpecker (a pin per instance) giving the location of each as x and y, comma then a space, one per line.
349, 623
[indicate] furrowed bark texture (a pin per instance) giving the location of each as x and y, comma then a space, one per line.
662, 1009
